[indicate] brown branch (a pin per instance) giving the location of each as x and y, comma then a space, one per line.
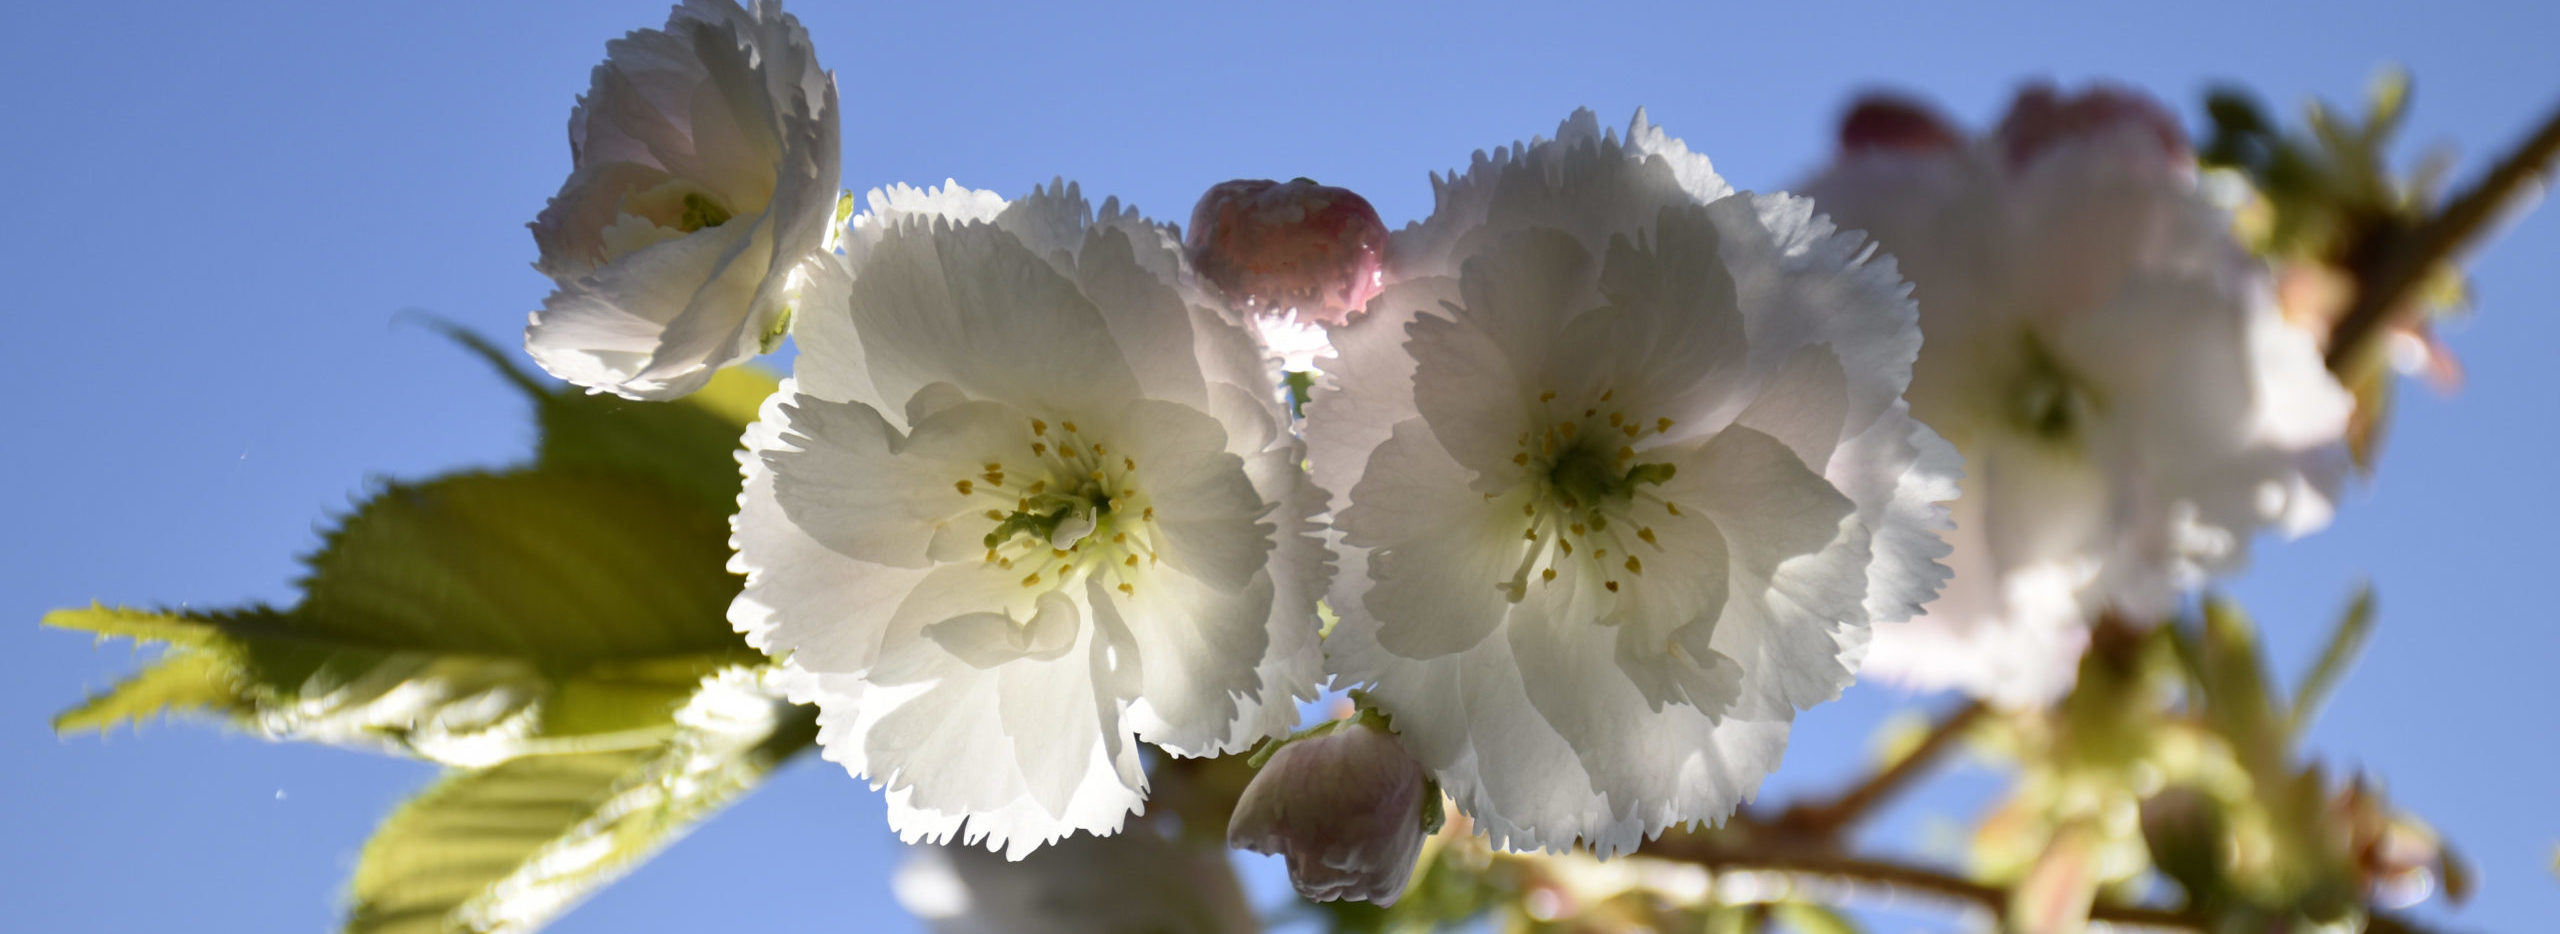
2381, 923
2384, 285
1829, 819
1905, 877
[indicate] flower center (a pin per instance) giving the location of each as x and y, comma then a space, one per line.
678, 205
1587, 498
2046, 400
1083, 514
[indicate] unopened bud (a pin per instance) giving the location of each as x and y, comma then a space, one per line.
1291, 248
2395, 858
1891, 122
1345, 807
2041, 118
2186, 832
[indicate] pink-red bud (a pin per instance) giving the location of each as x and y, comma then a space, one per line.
1278, 247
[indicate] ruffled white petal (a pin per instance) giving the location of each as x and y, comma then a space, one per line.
1057, 483
706, 158
1622, 476
2113, 366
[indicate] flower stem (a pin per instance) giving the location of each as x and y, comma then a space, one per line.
1904, 878
2383, 285
1828, 820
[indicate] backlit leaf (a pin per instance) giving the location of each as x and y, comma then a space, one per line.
509, 847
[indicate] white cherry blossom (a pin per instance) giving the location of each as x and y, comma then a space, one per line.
1028, 501
2131, 404
701, 203
1622, 473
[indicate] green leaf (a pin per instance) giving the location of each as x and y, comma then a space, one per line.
280, 683
150, 626
478, 617
509, 847
469, 619
473, 830
2346, 640
555, 567
183, 681
2237, 703
690, 444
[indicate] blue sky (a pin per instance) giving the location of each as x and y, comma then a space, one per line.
220, 208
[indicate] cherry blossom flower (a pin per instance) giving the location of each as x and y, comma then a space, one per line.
1622, 474
701, 205
2131, 404
1027, 501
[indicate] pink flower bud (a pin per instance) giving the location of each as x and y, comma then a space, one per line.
1892, 122
1280, 247
2042, 117
1345, 807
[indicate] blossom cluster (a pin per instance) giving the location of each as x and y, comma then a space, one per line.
1610, 470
